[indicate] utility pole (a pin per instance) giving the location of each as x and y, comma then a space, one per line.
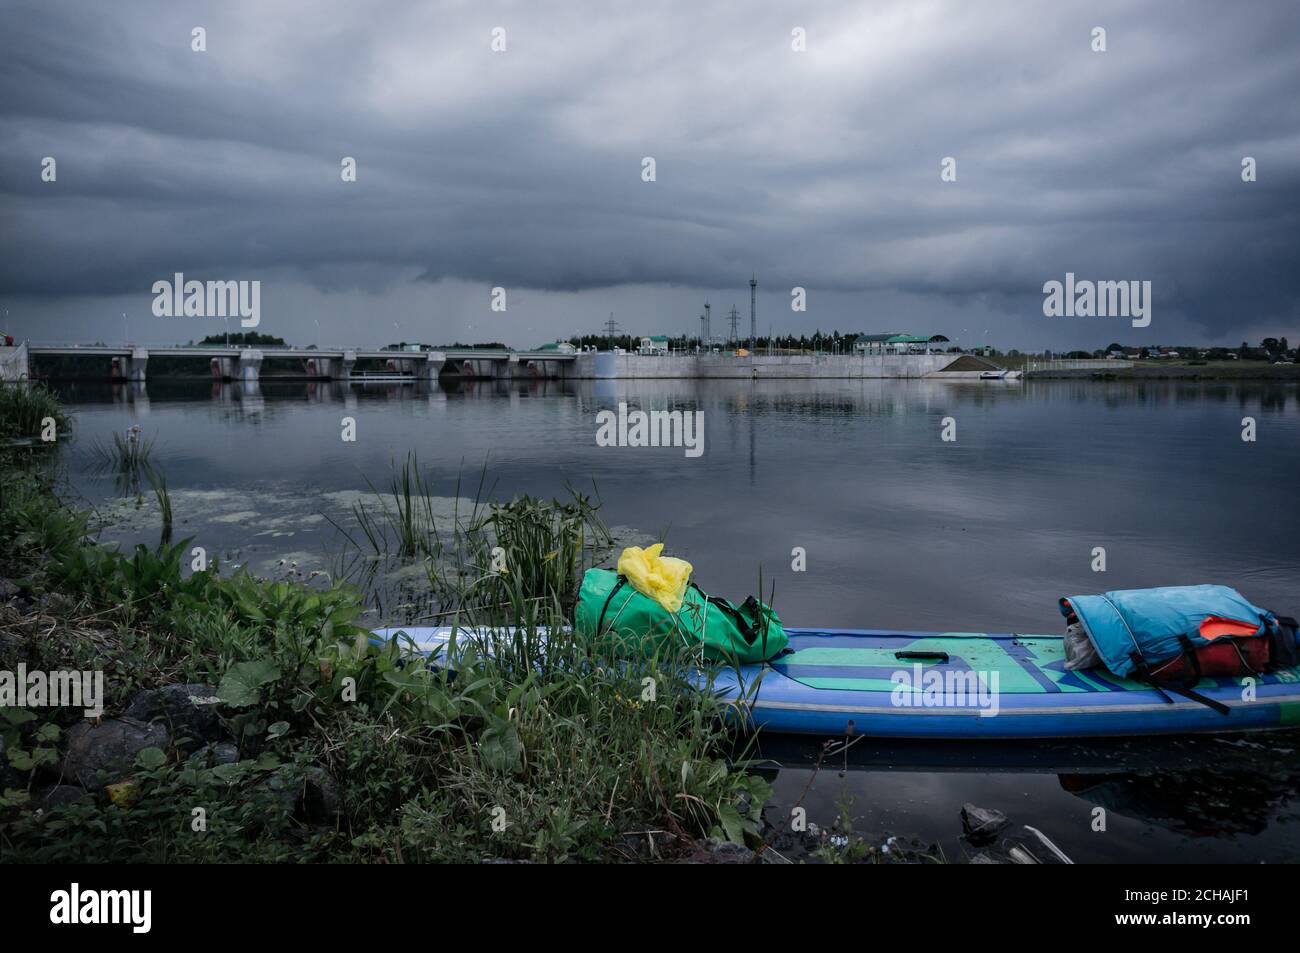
753, 312
708, 321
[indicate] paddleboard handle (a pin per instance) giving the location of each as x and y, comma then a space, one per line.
922, 656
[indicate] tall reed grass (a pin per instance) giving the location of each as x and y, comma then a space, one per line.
25, 407
482, 556
158, 483
127, 457
401, 522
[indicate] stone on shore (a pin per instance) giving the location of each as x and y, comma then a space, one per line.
111, 747
188, 712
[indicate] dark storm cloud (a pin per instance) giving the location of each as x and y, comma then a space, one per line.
522, 168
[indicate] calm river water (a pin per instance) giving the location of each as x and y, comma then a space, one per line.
900, 529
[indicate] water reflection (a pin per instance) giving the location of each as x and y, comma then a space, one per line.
1225, 798
810, 397
1195, 804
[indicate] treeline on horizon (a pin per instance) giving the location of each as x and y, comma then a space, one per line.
1269, 349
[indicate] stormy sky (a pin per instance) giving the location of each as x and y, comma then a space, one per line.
523, 168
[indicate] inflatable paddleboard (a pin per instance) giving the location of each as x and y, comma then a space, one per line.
968, 685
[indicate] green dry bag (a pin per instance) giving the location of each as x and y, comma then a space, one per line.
608, 607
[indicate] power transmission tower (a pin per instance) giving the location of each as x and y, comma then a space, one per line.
733, 318
611, 326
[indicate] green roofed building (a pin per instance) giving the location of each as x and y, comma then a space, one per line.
898, 342
654, 344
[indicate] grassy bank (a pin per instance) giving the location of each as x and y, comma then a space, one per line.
248, 720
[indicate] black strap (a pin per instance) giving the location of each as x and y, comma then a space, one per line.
1196, 696
1186, 690
1194, 663
600, 622
1144, 675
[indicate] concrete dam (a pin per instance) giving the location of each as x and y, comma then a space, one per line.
131, 363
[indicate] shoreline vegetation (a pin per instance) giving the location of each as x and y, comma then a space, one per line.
248, 720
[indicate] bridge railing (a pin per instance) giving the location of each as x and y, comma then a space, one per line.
1080, 364
483, 353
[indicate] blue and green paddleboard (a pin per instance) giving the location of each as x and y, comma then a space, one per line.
970, 685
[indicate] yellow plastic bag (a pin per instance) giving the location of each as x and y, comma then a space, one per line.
661, 578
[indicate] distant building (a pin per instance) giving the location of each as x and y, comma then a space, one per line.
898, 342
871, 343
562, 347
655, 344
